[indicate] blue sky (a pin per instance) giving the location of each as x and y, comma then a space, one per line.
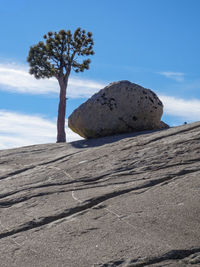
155, 43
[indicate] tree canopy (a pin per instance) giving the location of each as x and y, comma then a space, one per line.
59, 53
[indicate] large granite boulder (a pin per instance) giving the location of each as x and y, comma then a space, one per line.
120, 107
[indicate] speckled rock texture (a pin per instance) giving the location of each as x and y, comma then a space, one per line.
163, 125
128, 200
120, 107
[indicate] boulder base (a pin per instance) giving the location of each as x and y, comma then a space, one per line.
120, 107
163, 125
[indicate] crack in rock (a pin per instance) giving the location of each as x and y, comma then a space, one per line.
183, 255
9, 175
88, 204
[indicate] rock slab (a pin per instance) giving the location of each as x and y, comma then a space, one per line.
127, 200
120, 107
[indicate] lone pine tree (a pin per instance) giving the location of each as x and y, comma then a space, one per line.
56, 57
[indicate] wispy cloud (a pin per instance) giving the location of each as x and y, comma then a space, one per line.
20, 130
177, 76
186, 109
15, 78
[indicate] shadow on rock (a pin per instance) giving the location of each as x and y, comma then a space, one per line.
95, 142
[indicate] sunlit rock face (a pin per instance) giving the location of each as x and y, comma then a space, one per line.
125, 200
120, 107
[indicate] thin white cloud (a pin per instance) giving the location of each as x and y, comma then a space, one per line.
177, 76
15, 78
186, 109
20, 130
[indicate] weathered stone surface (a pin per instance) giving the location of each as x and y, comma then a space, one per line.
120, 107
163, 125
127, 200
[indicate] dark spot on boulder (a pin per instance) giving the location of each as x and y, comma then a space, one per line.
145, 93
110, 102
151, 99
159, 103
155, 96
155, 107
134, 118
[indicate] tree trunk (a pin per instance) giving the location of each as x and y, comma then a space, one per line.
61, 136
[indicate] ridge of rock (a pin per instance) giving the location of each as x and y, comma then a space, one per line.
123, 200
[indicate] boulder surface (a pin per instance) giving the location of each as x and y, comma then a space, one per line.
120, 107
126, 200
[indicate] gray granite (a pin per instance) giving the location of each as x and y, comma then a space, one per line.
120, 107
124, 200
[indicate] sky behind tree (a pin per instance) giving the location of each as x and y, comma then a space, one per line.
154, 43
